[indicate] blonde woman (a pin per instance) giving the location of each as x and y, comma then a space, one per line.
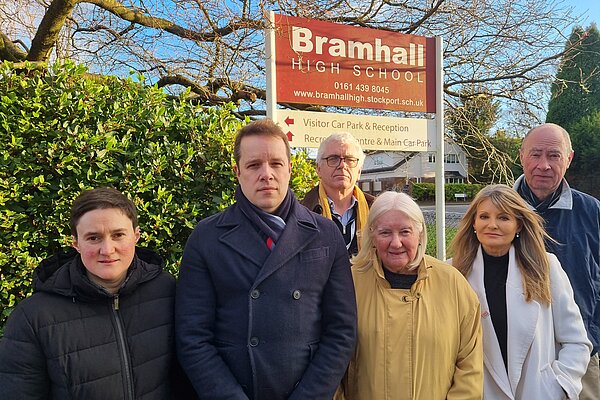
535, 344
419, 333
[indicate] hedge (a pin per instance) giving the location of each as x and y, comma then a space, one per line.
63, 131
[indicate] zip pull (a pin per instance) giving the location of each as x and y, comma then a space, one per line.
116, 302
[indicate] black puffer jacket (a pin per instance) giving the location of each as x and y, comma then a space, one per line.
73, 340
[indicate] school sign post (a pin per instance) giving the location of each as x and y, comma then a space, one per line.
323, 63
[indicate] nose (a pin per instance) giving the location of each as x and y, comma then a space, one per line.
107, 247
266, 173
543, 164
343, 163
396, 241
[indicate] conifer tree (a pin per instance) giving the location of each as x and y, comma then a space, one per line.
576, 89
575, 105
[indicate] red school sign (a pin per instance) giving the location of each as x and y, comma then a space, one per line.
324, 63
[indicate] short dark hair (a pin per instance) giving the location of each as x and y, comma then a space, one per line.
260, 127
101, 198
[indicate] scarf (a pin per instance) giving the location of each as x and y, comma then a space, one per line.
270, 225
361, 215
525, 191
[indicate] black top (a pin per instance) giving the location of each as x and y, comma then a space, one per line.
495, 272
399, 281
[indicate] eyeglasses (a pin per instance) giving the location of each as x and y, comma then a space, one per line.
334, 161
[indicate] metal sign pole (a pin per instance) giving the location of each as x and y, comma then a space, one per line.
440, 206
271, 70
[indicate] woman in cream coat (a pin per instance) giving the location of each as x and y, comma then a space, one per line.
534, 340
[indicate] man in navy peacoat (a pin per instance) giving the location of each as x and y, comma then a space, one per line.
265, 306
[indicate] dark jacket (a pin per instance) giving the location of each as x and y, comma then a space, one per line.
282, 329
73, 340
574, 222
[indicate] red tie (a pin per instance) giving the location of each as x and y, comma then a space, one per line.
270, 243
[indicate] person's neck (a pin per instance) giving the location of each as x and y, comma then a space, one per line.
110, 287
543, 195
342, 199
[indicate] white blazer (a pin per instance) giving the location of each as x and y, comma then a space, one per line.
548, 349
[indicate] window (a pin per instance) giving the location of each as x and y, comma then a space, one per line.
451, 159
431, 157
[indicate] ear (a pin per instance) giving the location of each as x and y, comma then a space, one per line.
236, 170
570, 158
318, 165
74, 243
290, 167
137, 234
521, 155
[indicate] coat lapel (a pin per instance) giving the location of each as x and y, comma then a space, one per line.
522, 322
492, 356
241, 237
299, 231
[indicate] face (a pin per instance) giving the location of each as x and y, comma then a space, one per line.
341, 177
396, 240
106, 241
264, 171
545, 159
495, 228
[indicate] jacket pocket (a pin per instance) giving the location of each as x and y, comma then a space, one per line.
549, 387
314, 254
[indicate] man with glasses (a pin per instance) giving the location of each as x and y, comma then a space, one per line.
339, 162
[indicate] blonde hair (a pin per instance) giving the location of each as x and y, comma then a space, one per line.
530, 251
390, 201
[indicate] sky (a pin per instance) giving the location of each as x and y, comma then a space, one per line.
591, 9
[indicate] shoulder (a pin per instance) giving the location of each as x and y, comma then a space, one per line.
586, 199
309, 218
370, 198
311, 200
447, 277
40, 311
558, 276
440, 267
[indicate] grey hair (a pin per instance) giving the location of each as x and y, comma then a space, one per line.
342, 137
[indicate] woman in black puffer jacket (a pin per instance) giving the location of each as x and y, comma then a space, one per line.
100, 322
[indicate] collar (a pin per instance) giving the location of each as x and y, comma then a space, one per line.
348, 214
564, 202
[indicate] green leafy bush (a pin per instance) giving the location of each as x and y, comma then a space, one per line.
426, 191
63, 131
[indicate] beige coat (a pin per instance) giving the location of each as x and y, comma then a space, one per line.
423, 343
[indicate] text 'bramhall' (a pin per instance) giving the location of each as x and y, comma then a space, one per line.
303, 41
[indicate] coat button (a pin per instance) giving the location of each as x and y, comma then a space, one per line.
296, 294
253, 341
255, 294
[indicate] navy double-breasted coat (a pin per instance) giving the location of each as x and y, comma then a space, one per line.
284, 328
